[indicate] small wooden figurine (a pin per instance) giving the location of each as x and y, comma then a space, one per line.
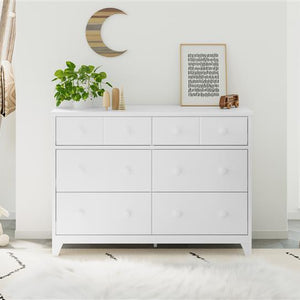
115, 95
106, 100
229, 101
122, 101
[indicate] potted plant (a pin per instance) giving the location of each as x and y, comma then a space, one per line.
86, 83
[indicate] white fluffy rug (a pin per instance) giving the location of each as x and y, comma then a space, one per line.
123, 278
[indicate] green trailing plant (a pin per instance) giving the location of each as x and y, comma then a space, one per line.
82, 84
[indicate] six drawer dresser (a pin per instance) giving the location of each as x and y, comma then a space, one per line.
152, 175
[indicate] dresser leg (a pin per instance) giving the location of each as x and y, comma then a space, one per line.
247, 247
155, 245
56, 247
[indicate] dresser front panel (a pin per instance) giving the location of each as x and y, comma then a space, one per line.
224, 130
79, 131
199, 213
199, 170
175, 131
127, 131
103, 170
103, 213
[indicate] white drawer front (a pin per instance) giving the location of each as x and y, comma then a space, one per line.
127, 131
103, 170
200, 170
175, 131
79, 131
207, 213
223, 131
104, 213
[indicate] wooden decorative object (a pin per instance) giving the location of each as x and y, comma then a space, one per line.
122, 101
93, 32
229, 100
115, 98
106, 100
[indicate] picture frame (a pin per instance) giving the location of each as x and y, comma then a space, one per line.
203, 74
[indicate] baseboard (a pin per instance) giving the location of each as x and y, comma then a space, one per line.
33, 235
47, 235
270, 235
294, 215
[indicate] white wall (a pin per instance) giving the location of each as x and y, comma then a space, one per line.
8, 161
49, 33
293, 112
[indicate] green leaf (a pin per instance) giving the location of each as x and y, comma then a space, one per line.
90, 68
70, 65
59, 73
108, 84
103, 75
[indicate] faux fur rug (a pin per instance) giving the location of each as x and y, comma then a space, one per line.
115, 278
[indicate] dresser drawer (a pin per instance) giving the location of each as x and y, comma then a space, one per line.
223, 131
127, 131
200, 170
79, 131
103, 170
104, 213
205, 213
175, 131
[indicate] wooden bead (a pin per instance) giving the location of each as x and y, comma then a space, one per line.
115, 98
106, 100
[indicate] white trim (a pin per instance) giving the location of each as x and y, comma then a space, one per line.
294, 215
259, 235
35, 235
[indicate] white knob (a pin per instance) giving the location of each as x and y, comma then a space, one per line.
82, 168
128, 130
128, 170
223, 131
82, 211
175, 131
82, 129
177, 171
222, 214
176, 213
222, 171
127, 213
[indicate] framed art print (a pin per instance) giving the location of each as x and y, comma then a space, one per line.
203, 72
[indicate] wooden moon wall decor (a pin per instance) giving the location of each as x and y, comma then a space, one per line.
93, 32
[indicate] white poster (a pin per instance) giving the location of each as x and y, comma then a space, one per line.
203, 74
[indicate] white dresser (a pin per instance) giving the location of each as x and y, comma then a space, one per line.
152, 174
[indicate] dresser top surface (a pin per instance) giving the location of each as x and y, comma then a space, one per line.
154, 110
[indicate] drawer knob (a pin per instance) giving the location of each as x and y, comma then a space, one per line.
82, 211
223, 131
127, 170
127, 213
223, 171
177, 213
82, 168
175, 131
222, 214
128, 130
177, 171
82, 129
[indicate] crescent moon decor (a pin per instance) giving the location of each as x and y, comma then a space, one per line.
93, 32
